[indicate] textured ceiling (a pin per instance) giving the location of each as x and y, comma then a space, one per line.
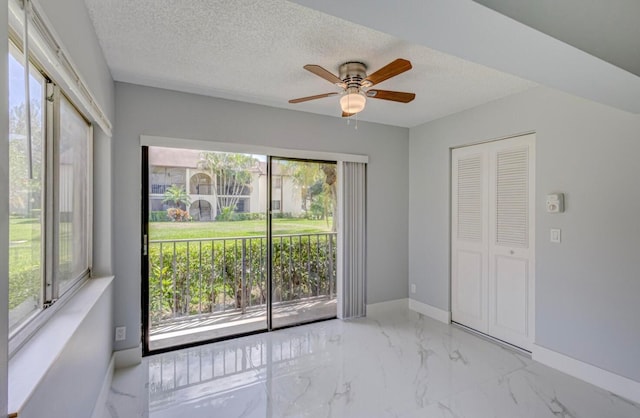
254, 51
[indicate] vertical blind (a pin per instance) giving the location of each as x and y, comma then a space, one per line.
354, 249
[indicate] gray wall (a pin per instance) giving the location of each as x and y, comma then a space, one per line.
89, 352
587, 287
71, 386
4, 215
71, 21
145, 110
607, 30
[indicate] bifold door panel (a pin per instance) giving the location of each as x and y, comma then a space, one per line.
493, 238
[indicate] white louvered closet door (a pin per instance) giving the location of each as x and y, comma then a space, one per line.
469, 268
508, 252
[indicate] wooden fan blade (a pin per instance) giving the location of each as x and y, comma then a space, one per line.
321, 72
392, 69
346, 115
317, 96
394, 96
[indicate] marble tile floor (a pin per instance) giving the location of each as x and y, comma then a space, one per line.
394, 364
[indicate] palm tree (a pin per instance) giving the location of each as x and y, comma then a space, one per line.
177, 196
232, 173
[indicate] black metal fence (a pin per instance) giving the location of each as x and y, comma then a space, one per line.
218, 275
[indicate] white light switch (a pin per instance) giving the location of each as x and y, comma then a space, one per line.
555, 235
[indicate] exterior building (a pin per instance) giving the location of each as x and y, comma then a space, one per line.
183, 168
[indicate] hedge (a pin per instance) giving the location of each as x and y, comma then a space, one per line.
194, 277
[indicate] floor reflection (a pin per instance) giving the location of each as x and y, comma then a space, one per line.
223, 375
398, 364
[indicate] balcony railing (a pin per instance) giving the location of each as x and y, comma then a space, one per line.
159, 188
196, 277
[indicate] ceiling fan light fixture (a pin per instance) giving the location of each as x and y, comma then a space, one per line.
353, 102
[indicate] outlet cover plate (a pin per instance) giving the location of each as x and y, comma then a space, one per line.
121, 333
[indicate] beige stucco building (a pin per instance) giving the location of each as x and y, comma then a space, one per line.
183, 168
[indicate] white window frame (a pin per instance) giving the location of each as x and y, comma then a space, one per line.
52, 299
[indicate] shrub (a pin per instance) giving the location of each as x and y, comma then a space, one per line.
25, 283
228, 216
178, 215
158, 216
248, 216
187, 278
282, 215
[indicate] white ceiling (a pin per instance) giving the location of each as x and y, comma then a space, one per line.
471, 31
254, 51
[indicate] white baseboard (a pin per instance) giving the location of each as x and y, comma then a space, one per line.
127, 358
101, 401
619, 385
382, 307
430, 311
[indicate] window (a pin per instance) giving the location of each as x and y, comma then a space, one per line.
50, 199
277, 182
72, 194
26, 178
242, 205
275, 205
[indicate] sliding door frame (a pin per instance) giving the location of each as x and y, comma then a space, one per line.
271, 153
270, 159
269, 248
144, 253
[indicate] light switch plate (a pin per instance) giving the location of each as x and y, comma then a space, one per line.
555, 235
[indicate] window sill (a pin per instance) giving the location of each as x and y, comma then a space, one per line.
31, 362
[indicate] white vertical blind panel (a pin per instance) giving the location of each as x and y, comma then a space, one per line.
512, 198
354, 240
470, 198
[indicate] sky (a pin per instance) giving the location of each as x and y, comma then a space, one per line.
16, 84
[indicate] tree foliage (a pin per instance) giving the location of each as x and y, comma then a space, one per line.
317, 182
177, 196
232, 174
25, 190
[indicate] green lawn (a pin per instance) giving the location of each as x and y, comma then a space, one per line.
217, 229
24, 228
24, 250
24, 260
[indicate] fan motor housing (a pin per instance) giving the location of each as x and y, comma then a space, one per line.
352, 73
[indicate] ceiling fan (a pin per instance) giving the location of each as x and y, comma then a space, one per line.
356, 85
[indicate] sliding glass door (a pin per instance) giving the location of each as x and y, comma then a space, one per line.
304, 240
234, 244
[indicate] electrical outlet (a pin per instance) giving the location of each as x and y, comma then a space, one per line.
413, 288
121, 333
